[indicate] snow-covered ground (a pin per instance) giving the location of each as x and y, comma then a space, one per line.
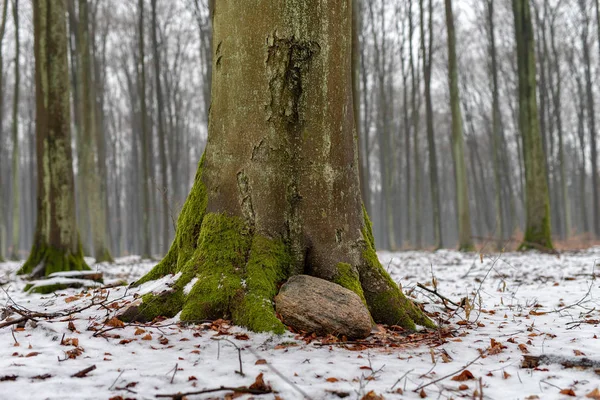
518, 303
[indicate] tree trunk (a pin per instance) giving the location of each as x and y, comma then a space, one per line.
90, 141
161, 132
146, 243
277, 191
16, 198
427, 52
465, 241
415, 88
56, 245
3, 200
537, 207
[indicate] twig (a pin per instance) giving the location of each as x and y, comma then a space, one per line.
84, 372
239, 350
174, 372
242, 389
435, 292
113, 384
449, 375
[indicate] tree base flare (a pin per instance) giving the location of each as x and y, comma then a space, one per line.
45, 260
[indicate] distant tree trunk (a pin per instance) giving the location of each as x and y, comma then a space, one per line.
427, 51
3, 200
277, 190
146, 243
556, 91
90, 141
366, 123
408, 202
591, 117
500, 233
415, 116
16, 190
465, 240
537, 231
161, 132
56, 245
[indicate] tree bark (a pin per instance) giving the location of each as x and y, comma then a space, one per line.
145, 135
427, 51
277, 191
16, 190
465, 241
2, 199
537, 206
56, 245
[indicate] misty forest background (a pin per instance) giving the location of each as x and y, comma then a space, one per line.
149, 76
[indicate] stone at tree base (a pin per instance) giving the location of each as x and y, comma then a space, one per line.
312, 304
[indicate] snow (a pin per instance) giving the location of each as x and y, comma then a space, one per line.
544, 303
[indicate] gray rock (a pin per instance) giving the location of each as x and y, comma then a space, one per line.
311, 304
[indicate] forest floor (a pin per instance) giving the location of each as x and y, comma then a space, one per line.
518, 304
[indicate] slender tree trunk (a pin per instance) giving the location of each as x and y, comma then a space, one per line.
161, 131
146, 243
427, 51
407, 132
3, 200
415, 116
56, 245
16, 184
500, 233
301, 146
465, 241
537, 231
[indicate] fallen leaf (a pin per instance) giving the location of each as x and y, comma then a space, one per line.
259, 384
125, 341
523, 348
463, 376
506, 375
463, 387
32, 354
579, 353
8, 378
260, 362
147, 336
163, 341
332, 379
568, 392
422, 394
71, 299
115, 323
71, 326
594, 394
242, 336
70, 342
139, 331
192, 378
372, 396
42, 377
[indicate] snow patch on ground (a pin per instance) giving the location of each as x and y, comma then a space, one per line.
537, 302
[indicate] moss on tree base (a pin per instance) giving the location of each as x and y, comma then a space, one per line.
45, 260
239, 272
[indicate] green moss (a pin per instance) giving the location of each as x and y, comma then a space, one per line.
53, 260
368, 230
223, 247
386, 302
467, 248
347, 277
104, 256
189, 224
164, 304
269, 263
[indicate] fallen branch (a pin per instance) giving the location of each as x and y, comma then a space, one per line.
435, 292
452, 374
242, 389
83, 372
567, 362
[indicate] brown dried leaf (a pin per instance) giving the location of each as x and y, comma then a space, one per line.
332, 379
568, 392
147, 336
71, 326
594, 394
422, 394
463, 387
579, 353
372, 396
259, 384
523, 348
115, 323
260, 362
139, 331
506, 375
463, 376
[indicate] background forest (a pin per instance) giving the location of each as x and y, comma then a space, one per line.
146, 66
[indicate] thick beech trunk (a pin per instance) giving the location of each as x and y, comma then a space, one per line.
277, 191
56, 245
